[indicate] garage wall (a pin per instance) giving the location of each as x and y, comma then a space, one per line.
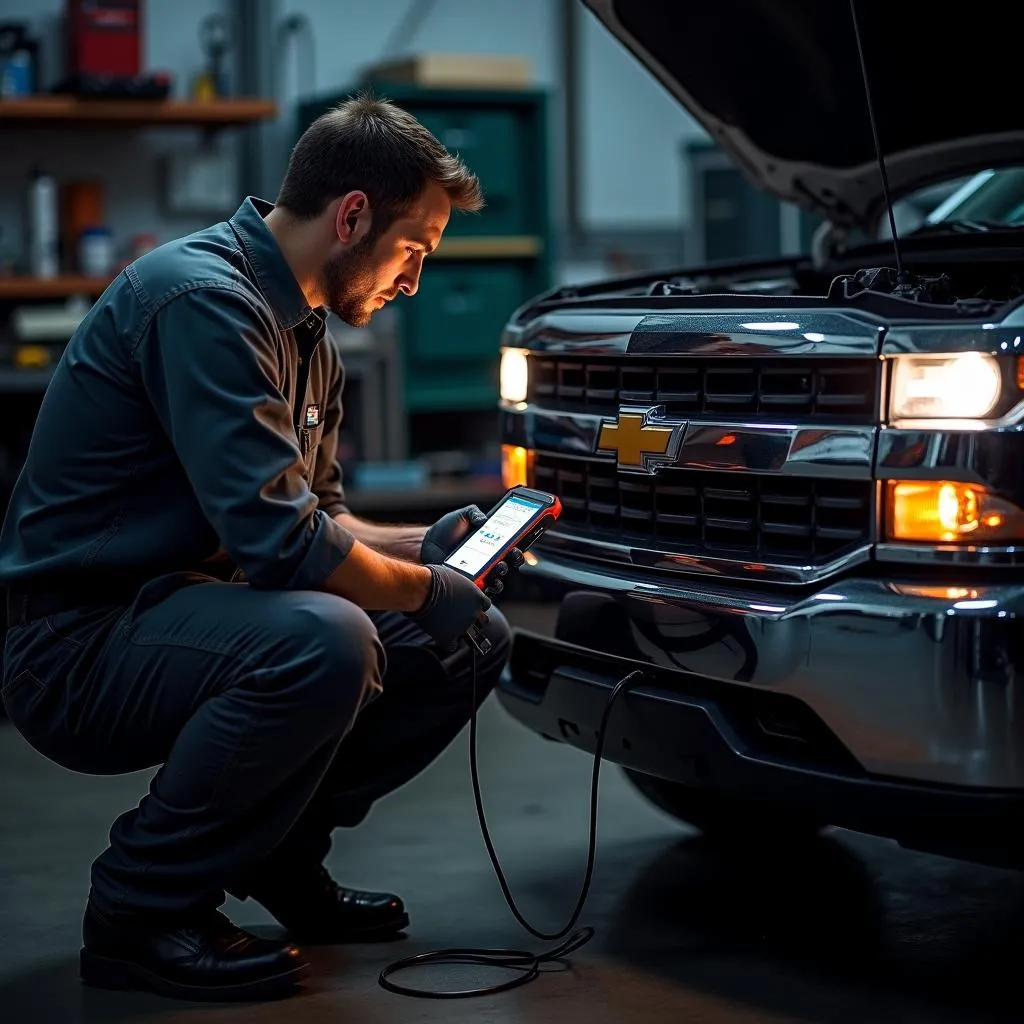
630, 130
631, 177
632, 133
124, 160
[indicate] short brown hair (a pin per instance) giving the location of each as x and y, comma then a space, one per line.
370, 145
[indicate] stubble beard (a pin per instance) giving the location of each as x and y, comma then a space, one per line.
349, 284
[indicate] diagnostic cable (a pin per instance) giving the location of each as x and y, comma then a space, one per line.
526, 964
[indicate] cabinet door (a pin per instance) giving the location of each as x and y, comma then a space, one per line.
493, 145
740, 222
460, 310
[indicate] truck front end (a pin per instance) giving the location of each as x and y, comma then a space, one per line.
802, 518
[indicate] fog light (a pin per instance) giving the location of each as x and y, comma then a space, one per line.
942, 511
515, 466
513, 375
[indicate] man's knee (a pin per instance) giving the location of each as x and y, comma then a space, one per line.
338, 655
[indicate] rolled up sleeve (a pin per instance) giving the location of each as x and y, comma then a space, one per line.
211, 365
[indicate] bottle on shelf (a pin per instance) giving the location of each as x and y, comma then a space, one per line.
43, 224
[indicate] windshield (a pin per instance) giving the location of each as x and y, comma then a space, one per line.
984, 201
989, 199
993, 198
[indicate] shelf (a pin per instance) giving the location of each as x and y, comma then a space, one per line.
488, 247
22, 287
60, 287
21, 382
71, 112
412, 95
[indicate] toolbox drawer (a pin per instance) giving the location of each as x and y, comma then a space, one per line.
493, 143
460, 310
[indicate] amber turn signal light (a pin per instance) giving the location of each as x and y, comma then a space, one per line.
515, 466
944, 512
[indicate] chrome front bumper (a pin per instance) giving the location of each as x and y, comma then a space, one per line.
917, 682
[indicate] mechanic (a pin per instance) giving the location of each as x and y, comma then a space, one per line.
186, 587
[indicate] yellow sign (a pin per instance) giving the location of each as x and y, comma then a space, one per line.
638, 444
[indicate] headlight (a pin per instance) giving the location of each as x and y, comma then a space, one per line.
966, 385
513, 377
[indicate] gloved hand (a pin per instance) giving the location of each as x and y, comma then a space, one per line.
513, 560
449, 532
455, 603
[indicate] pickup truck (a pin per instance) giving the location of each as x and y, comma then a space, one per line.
793, 489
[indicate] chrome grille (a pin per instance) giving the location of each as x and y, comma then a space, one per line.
825, 389
717, 513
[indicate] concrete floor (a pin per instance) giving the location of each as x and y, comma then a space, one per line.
847, 930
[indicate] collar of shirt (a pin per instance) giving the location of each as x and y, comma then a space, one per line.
276, 280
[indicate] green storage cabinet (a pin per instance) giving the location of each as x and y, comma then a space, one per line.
502, 136
492, 143
460, 310
449, 332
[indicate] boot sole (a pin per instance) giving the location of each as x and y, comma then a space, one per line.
122, 975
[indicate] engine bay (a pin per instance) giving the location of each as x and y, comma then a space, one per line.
966, 284
938, 281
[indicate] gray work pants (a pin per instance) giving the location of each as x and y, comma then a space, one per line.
274, 715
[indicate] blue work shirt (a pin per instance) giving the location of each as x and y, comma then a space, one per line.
195, 411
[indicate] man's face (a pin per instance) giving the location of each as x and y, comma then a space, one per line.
362, 278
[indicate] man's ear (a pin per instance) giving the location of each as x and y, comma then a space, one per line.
352, 218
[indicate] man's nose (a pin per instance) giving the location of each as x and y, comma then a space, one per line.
409, 282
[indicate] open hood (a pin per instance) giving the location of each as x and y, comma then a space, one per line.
778, 86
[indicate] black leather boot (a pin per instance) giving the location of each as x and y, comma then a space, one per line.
315, 910
206, 958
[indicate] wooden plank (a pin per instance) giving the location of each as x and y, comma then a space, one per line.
457, 70
488, 247
16, 287
69, 111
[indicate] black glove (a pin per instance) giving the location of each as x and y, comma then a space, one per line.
455, 603
451, 530
448, 533
513, 560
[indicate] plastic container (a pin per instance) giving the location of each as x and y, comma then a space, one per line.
15, 75
96, 256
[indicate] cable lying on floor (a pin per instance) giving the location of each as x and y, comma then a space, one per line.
527, 964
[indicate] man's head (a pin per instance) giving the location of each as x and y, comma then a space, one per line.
376, 189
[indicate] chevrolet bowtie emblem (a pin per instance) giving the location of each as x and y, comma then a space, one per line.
640, 445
